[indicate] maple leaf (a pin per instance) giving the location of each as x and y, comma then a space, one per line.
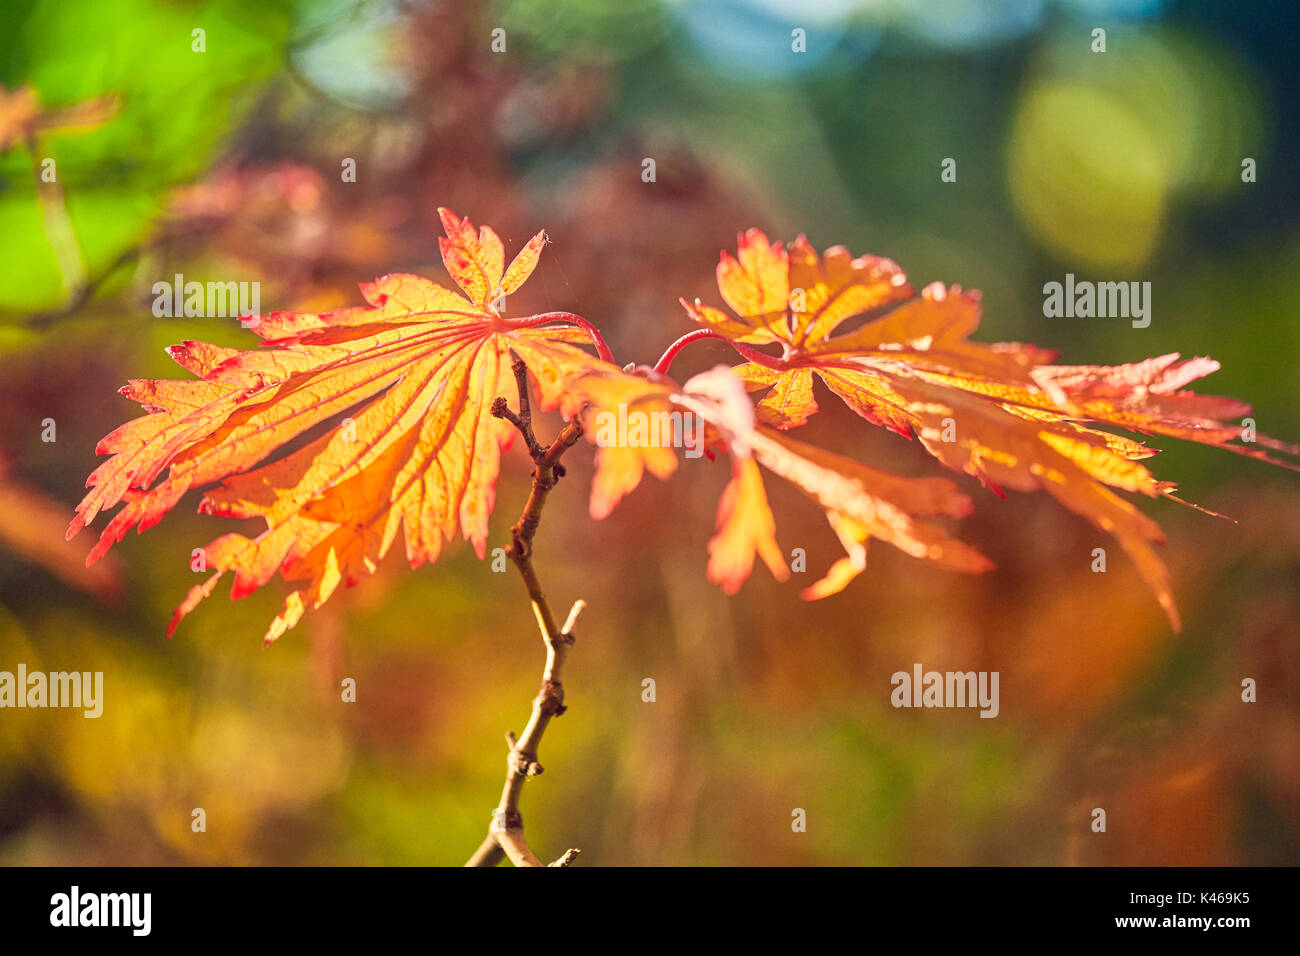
999, 412
415, 372
606, 395
859, 502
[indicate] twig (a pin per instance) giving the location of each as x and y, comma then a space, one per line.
58, 225
567, 859
505, 837
524, 420
83, 293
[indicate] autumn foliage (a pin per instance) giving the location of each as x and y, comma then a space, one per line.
349, 429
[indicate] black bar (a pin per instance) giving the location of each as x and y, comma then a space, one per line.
301, 906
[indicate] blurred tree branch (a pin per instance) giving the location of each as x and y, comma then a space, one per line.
24, 120
505, 837
82, 293
58, 225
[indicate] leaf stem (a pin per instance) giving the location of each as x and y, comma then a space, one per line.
752, 354
602, 348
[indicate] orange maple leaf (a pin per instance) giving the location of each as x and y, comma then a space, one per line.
998, 412
415, 372
859, 502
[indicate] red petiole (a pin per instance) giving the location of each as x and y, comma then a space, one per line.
752, 354
602, 348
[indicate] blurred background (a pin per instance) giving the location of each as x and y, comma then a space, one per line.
227, 165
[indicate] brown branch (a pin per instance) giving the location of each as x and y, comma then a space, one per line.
505, 837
